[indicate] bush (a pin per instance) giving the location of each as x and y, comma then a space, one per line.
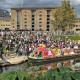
62, 73
76, 75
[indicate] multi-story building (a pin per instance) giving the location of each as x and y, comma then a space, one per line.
77, 26
4, 15
5, 24
5, 19
32, 19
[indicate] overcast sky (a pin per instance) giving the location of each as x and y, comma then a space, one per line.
7, 4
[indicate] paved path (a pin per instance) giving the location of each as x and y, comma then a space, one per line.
17, 59
12, 60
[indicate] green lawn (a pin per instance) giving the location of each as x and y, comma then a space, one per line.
71, 37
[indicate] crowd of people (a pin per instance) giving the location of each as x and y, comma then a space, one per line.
24, 43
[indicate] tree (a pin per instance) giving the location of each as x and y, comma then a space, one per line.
63, 16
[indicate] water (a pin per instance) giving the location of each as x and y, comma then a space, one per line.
29, 68
22, 66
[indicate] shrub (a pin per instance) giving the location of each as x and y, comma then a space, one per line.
62, 73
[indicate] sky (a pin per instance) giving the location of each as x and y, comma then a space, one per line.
7, 4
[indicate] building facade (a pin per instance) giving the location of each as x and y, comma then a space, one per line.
5, 20
76, 26
5, 25
4, 15
33, 19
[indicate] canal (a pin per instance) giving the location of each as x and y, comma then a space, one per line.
29, 67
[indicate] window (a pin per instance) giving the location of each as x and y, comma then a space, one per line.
40, 26
47, 29
25, 18
18, 26
32, 25
40, 29
25, 25
48, 19
76, 25
32, 22
48, 15
40, 11
25, 22
40, 15
40, 22
77, 29
32, 29
25, 15
33, 16
48, 22
12, 23
40, 18
32, 19
48, 26
13, 19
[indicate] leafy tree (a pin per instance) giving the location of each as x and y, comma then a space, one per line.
63, 17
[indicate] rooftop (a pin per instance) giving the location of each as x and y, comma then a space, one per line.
20, 8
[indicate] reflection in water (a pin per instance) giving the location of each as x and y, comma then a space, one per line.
26, 67
1, 70
15, 67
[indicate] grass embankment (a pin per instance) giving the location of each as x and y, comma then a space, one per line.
53, 74
71, 37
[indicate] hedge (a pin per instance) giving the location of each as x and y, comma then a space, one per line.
62, 73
